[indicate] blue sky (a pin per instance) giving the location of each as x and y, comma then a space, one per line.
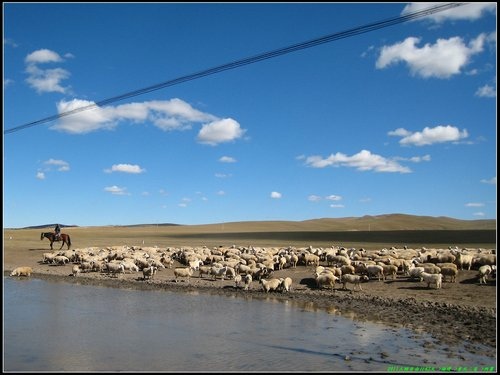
396, 120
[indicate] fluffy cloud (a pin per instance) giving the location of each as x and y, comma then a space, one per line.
220, 131
62, 166
441, 60
45, 80
275, 195
429, 136
363, 161
115, 190
470, 11
126, 168
82, 116
227, 159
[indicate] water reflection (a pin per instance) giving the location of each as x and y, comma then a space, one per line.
53, 326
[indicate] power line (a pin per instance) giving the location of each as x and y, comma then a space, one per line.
249, 60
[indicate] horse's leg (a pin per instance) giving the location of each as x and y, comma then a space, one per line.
62, 245
51, 242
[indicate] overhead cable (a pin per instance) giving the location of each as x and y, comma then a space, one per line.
250, 60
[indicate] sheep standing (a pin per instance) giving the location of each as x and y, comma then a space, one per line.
286, 284
247, 280
326, 279
353, 279
149, 272
451, 272
432, 278
186, 272
483, 273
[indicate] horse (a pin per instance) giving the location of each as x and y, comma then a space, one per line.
52, 238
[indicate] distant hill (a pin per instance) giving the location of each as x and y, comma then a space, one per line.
389, 222
367, 223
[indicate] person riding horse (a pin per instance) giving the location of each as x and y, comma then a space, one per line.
57, 231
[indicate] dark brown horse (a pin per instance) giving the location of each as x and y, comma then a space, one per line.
52, 238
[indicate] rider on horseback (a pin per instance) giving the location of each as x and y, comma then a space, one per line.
57, 230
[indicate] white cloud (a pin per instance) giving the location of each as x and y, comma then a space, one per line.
487, 91
40, 175
221, 192
481, 214
474, 205
115, 190
174, 114
126, 168
363, 161
219, 131
333, 198
222, 175
438, 134
42, 56
275, 195
62, 165
492, 181
399, 132
227, 159
415, 159
45, 80
441, 60
337, 206
470, 11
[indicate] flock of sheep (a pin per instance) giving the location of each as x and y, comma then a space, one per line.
249, 265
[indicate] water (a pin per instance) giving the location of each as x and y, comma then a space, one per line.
54, 326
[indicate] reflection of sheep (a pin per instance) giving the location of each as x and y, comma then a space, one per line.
353, 279
22, 271
430, 278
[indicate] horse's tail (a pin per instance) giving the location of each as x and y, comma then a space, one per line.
69, 240
41, 237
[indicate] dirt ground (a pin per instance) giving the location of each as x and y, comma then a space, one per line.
461, 312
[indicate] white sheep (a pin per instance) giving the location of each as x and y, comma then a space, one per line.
452, 272
286, 284
204, 270
270, 285
374, 270
483, 273
76, 270
353, 279
432, 278
22, 271
115, 268
464, 260
247, 280
183, 272
149, 272
237, 280
326, 279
